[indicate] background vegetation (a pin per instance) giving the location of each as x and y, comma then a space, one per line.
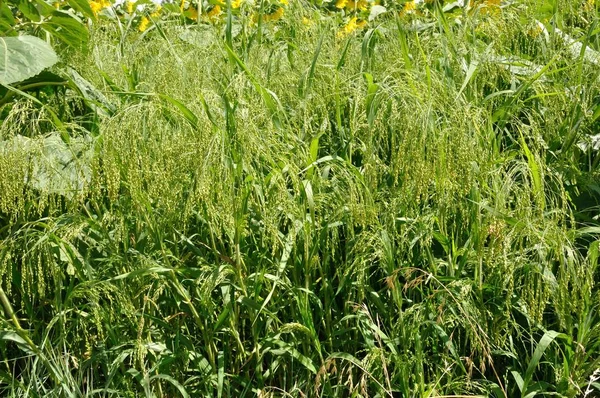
336, 202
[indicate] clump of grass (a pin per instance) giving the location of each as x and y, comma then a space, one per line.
294, 213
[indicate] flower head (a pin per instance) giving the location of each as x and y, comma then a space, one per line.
214, 12
274, 16
351, 26
341, 4
98, 5
143, 24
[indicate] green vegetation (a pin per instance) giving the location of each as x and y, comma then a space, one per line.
229, 208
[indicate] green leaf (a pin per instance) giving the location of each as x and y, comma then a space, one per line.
518, 379
348, 357
306, 81
93, 97
7, 21
67, 29
544, 342
372, 103
43, 8
199, 36
83, 6
189, 115
17, 339
173, 382
376, 10
285, 348
23, 57
207, 110
536, 173
29, 10
56, 166
154, 269
220, 373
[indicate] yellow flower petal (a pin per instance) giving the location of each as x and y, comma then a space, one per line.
274, 16
96, 7
408, 8
351, 26
191, 13
156, 12
215, 12
341, 4
357, 5
143, 24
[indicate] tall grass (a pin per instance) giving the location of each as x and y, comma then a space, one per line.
396, 213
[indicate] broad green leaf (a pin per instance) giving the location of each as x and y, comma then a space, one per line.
518, 379
41, 80
376, 10
173, 382
67, 29
93, 97
544, 342
17, 339
43, 8
29, 10
7, 21
220, 373
372, 103
83, 6
23, 57
56, 167
200, 36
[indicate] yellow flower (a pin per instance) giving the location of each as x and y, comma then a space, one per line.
143, 24
590, 5
351, 26
535, 32
56, 5
357, 5
485, 3
487, 6
96, 7
306, 21
191, 13
130, 5
409, 8
341, 4
274, 16
284, 2
215, 12
156, 12
236, 3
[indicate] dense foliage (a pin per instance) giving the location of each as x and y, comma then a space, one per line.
298, 198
